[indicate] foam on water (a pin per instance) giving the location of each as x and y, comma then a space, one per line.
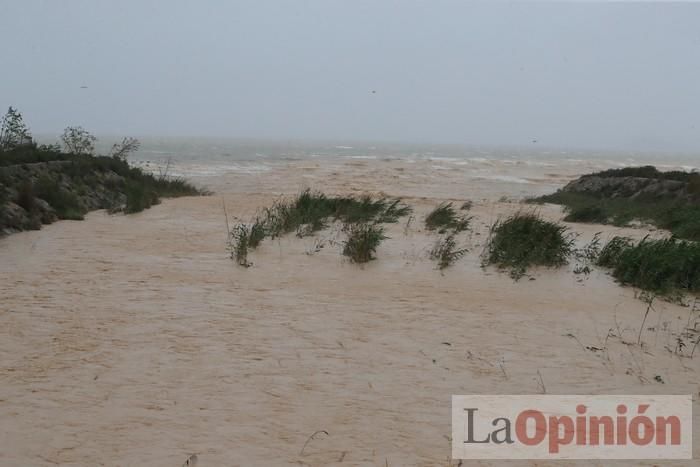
203, 157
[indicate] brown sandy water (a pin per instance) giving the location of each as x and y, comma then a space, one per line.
135, 340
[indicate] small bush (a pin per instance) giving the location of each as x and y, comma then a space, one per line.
64, 202
26, 197
139, 197
694, 185
524, 240
661, 266
362, 242
445, 251
588, 214
444, 218
610, 254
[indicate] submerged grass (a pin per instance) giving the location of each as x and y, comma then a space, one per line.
445, 251
524, 240
362, 242
662, 266
444, 218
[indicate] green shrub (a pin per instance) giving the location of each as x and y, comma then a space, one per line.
64, 202
444, 218
589, 214
661, 266
445, 251
694, 185
362, 241
524, 240
679, 214
647, 171
610, 254
26, 197
139, 197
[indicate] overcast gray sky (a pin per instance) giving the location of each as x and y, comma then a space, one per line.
597, 75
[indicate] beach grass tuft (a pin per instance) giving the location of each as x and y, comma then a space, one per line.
524, 240
363, 241
445, 251
664, 266
444, 217
313, 211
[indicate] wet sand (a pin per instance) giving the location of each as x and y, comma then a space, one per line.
135, 340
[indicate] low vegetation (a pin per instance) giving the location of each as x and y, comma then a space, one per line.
680, 217
445, 251
313, 211
668, 200
524, 240
239, 244
363, 241
444, 218
40, 183
665, 266
647, 171
65, 203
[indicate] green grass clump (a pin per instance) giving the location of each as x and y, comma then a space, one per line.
445, 251
524, 240
610, 254
362, 242
257, 233
661, 266
444, 218
312, 211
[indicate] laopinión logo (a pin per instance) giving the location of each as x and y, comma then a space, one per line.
572, 427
